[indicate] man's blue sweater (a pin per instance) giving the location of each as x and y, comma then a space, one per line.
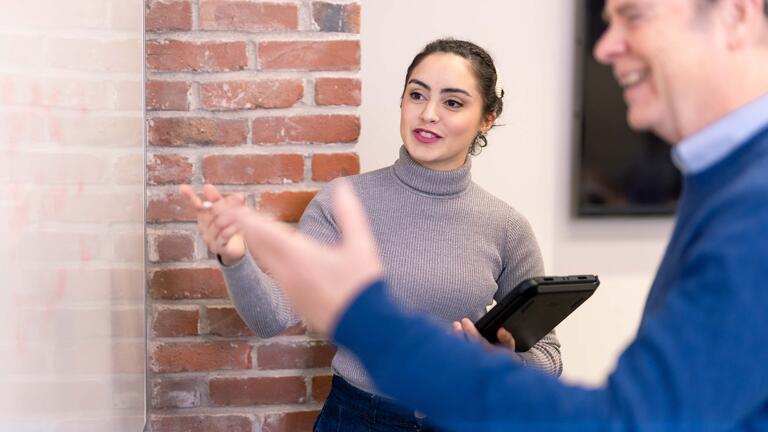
699, 361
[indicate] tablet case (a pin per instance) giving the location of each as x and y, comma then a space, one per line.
535, 307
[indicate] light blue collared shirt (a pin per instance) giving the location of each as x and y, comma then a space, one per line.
716, 141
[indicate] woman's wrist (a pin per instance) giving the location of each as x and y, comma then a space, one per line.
228, 260
233, 252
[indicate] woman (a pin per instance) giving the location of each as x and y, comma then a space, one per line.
436, 229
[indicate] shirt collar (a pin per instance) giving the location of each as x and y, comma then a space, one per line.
712, 144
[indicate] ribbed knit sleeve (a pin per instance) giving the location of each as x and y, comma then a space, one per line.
522, 261
257, 298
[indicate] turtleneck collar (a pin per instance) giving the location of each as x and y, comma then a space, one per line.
431, 182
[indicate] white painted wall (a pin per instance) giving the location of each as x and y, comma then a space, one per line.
528, 161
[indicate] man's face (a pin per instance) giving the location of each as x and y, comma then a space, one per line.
664, 54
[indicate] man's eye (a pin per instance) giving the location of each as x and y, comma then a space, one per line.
633, 18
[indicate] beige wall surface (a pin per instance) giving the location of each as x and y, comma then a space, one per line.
71, 216
528, 161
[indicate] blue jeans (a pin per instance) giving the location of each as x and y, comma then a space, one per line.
349, 409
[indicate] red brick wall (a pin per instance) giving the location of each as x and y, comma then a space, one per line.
252, 96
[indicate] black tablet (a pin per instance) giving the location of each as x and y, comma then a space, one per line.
535, 307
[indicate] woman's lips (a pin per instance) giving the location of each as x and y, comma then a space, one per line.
425, 136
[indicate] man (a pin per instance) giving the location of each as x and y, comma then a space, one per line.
696, 73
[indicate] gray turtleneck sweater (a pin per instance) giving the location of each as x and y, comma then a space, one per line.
449, 249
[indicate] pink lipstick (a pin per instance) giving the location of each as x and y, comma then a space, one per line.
425, 136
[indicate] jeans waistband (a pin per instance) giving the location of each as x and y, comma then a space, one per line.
364, 402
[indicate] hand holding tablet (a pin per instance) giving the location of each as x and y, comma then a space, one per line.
535, 307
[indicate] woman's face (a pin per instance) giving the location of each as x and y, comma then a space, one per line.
442, 111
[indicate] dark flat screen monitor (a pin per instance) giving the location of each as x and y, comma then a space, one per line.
620, 171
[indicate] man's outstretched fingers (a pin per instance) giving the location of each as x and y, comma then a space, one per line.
270, 241
211, 193
351, 218
191, 196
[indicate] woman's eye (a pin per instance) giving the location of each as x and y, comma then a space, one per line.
416, 96
453, 103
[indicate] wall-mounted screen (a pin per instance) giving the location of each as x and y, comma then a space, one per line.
620, 172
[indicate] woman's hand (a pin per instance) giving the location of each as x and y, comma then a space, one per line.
467, 327
217, 222
320, 280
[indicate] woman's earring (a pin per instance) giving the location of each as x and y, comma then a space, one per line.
479, 142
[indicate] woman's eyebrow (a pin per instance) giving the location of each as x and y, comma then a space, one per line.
445, 90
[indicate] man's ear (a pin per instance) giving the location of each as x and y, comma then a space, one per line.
741, 19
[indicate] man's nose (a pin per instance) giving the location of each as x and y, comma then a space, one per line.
610, 45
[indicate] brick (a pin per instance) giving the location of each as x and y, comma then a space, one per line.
198, 357
234, 95
168, 95
167, 15
352, 18
173, 247
298, 329
165, 131
169, 169
295, 355
309, 55
287, 206
337, 91
169, 208
248, 16
301, 421
176, 56
334, 17
187, 283
202, 423
175, 322
321, 387
326, 167
306, 129
253, 169
175, 393
226, 322
257, 391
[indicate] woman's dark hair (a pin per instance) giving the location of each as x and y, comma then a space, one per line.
485, 72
